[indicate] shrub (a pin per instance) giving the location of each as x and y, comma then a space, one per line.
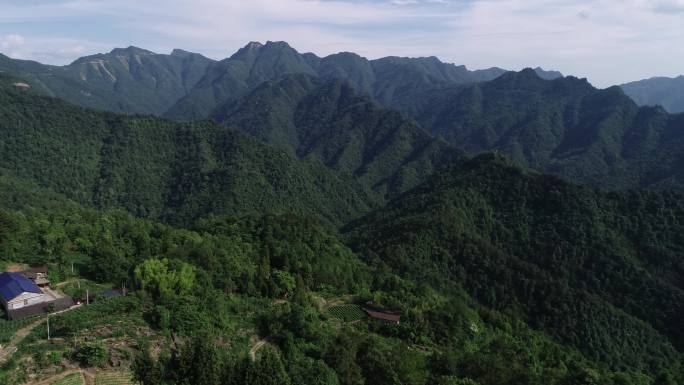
92, 354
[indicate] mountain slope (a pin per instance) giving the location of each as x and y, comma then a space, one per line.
391, 81
601, 272
130, 80
229, 79
161, 169
563, 126
395, 81
328, 121
660, 91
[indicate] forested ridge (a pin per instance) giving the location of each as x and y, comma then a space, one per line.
331, 122
159, 169
599, 271
563, 126
248, 248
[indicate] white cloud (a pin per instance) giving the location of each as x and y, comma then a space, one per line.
12, 44
11, 41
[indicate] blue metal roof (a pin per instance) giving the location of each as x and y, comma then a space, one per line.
13, 284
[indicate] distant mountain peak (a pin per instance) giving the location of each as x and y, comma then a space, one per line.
548, 75
180, 52
131, 50
278, 44
531, 72
253, 45
256, 48
526, 74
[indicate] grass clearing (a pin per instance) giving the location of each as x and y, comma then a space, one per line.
9, 328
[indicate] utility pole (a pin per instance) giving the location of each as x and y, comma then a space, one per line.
48, 325
87, 297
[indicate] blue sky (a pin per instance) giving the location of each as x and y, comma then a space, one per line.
607, 41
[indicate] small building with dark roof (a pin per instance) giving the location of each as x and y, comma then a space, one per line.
39, 275
111, 293
383, 316
17, 291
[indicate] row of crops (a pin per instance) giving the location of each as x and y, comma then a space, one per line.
72, 379
102, 378
347, 313
114, 378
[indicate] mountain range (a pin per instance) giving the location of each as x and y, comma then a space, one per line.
188, 85
554, 124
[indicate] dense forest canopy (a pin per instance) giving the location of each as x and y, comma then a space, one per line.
156, 168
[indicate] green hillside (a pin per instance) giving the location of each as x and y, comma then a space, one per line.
331, 123
598, 271
563, 126
160, 169
202, 295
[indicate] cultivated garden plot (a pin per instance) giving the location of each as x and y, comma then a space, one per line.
347, 313
72, 379
114, 378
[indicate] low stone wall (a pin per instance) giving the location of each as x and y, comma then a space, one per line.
41, 308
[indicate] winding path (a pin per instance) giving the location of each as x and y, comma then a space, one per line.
20, 334
253, 351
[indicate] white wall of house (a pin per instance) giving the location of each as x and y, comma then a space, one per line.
26, 299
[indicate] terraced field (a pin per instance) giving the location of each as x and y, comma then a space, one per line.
72, 379
114, 378
347, 313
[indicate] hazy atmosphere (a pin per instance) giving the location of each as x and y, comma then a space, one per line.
607, 41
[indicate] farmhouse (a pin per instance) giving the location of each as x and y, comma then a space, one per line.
21, 297
17, 291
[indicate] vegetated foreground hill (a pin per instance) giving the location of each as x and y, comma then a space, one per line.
658, 91
129, 80
246, 301
160, 169
330, 122
602, 272
563, 126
